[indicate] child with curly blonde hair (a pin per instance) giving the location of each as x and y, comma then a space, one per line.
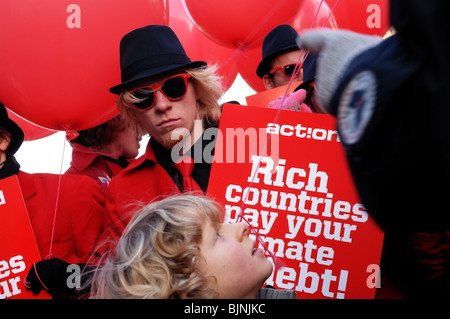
179, 248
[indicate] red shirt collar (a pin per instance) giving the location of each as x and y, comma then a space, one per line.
82, 157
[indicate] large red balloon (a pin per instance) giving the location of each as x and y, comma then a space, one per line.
248, 61
30, 130
58, 60
238, 23
363, 16
312, 14
199, 47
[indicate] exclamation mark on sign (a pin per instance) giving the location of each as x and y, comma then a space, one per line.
342, 284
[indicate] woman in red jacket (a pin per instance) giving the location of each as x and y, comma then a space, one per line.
103, 151
66, 212
174, 100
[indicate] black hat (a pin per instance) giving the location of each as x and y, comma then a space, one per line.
150, 51
13, 129
279, 40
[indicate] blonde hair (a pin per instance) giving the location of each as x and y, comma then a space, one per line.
208, 89
158, 255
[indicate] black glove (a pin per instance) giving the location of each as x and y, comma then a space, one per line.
56, 276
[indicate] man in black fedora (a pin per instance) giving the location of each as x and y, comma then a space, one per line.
280, 53
174, 100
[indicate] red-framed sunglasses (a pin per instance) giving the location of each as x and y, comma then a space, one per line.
288, 70
174, 88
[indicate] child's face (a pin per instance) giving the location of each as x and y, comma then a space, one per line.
128, 141
230, 257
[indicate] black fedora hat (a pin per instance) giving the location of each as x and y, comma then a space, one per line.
148, 52
281, 39
14, 130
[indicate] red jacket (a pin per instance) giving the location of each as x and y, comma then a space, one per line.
87, 162
141, 182
79, 217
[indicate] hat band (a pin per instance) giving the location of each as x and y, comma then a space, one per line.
159, 64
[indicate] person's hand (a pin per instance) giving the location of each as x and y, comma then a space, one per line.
336, 51
292, 101
52, 275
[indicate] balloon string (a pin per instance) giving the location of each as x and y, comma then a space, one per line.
241, 47
299, 65
262, 23
57, 201
277, 262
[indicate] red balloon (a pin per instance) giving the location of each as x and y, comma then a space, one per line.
30, 130
312, 14
58, 60
363, 16
199, 47
248, 61
237, 23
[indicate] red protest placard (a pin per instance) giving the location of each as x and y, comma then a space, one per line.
18, 249
291, 181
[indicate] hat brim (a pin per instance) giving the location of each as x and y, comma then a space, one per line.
264, 66
155, 72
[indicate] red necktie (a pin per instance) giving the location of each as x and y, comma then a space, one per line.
184, 165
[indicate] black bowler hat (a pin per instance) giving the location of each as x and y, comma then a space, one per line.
150, 51
279, 40
14, 130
